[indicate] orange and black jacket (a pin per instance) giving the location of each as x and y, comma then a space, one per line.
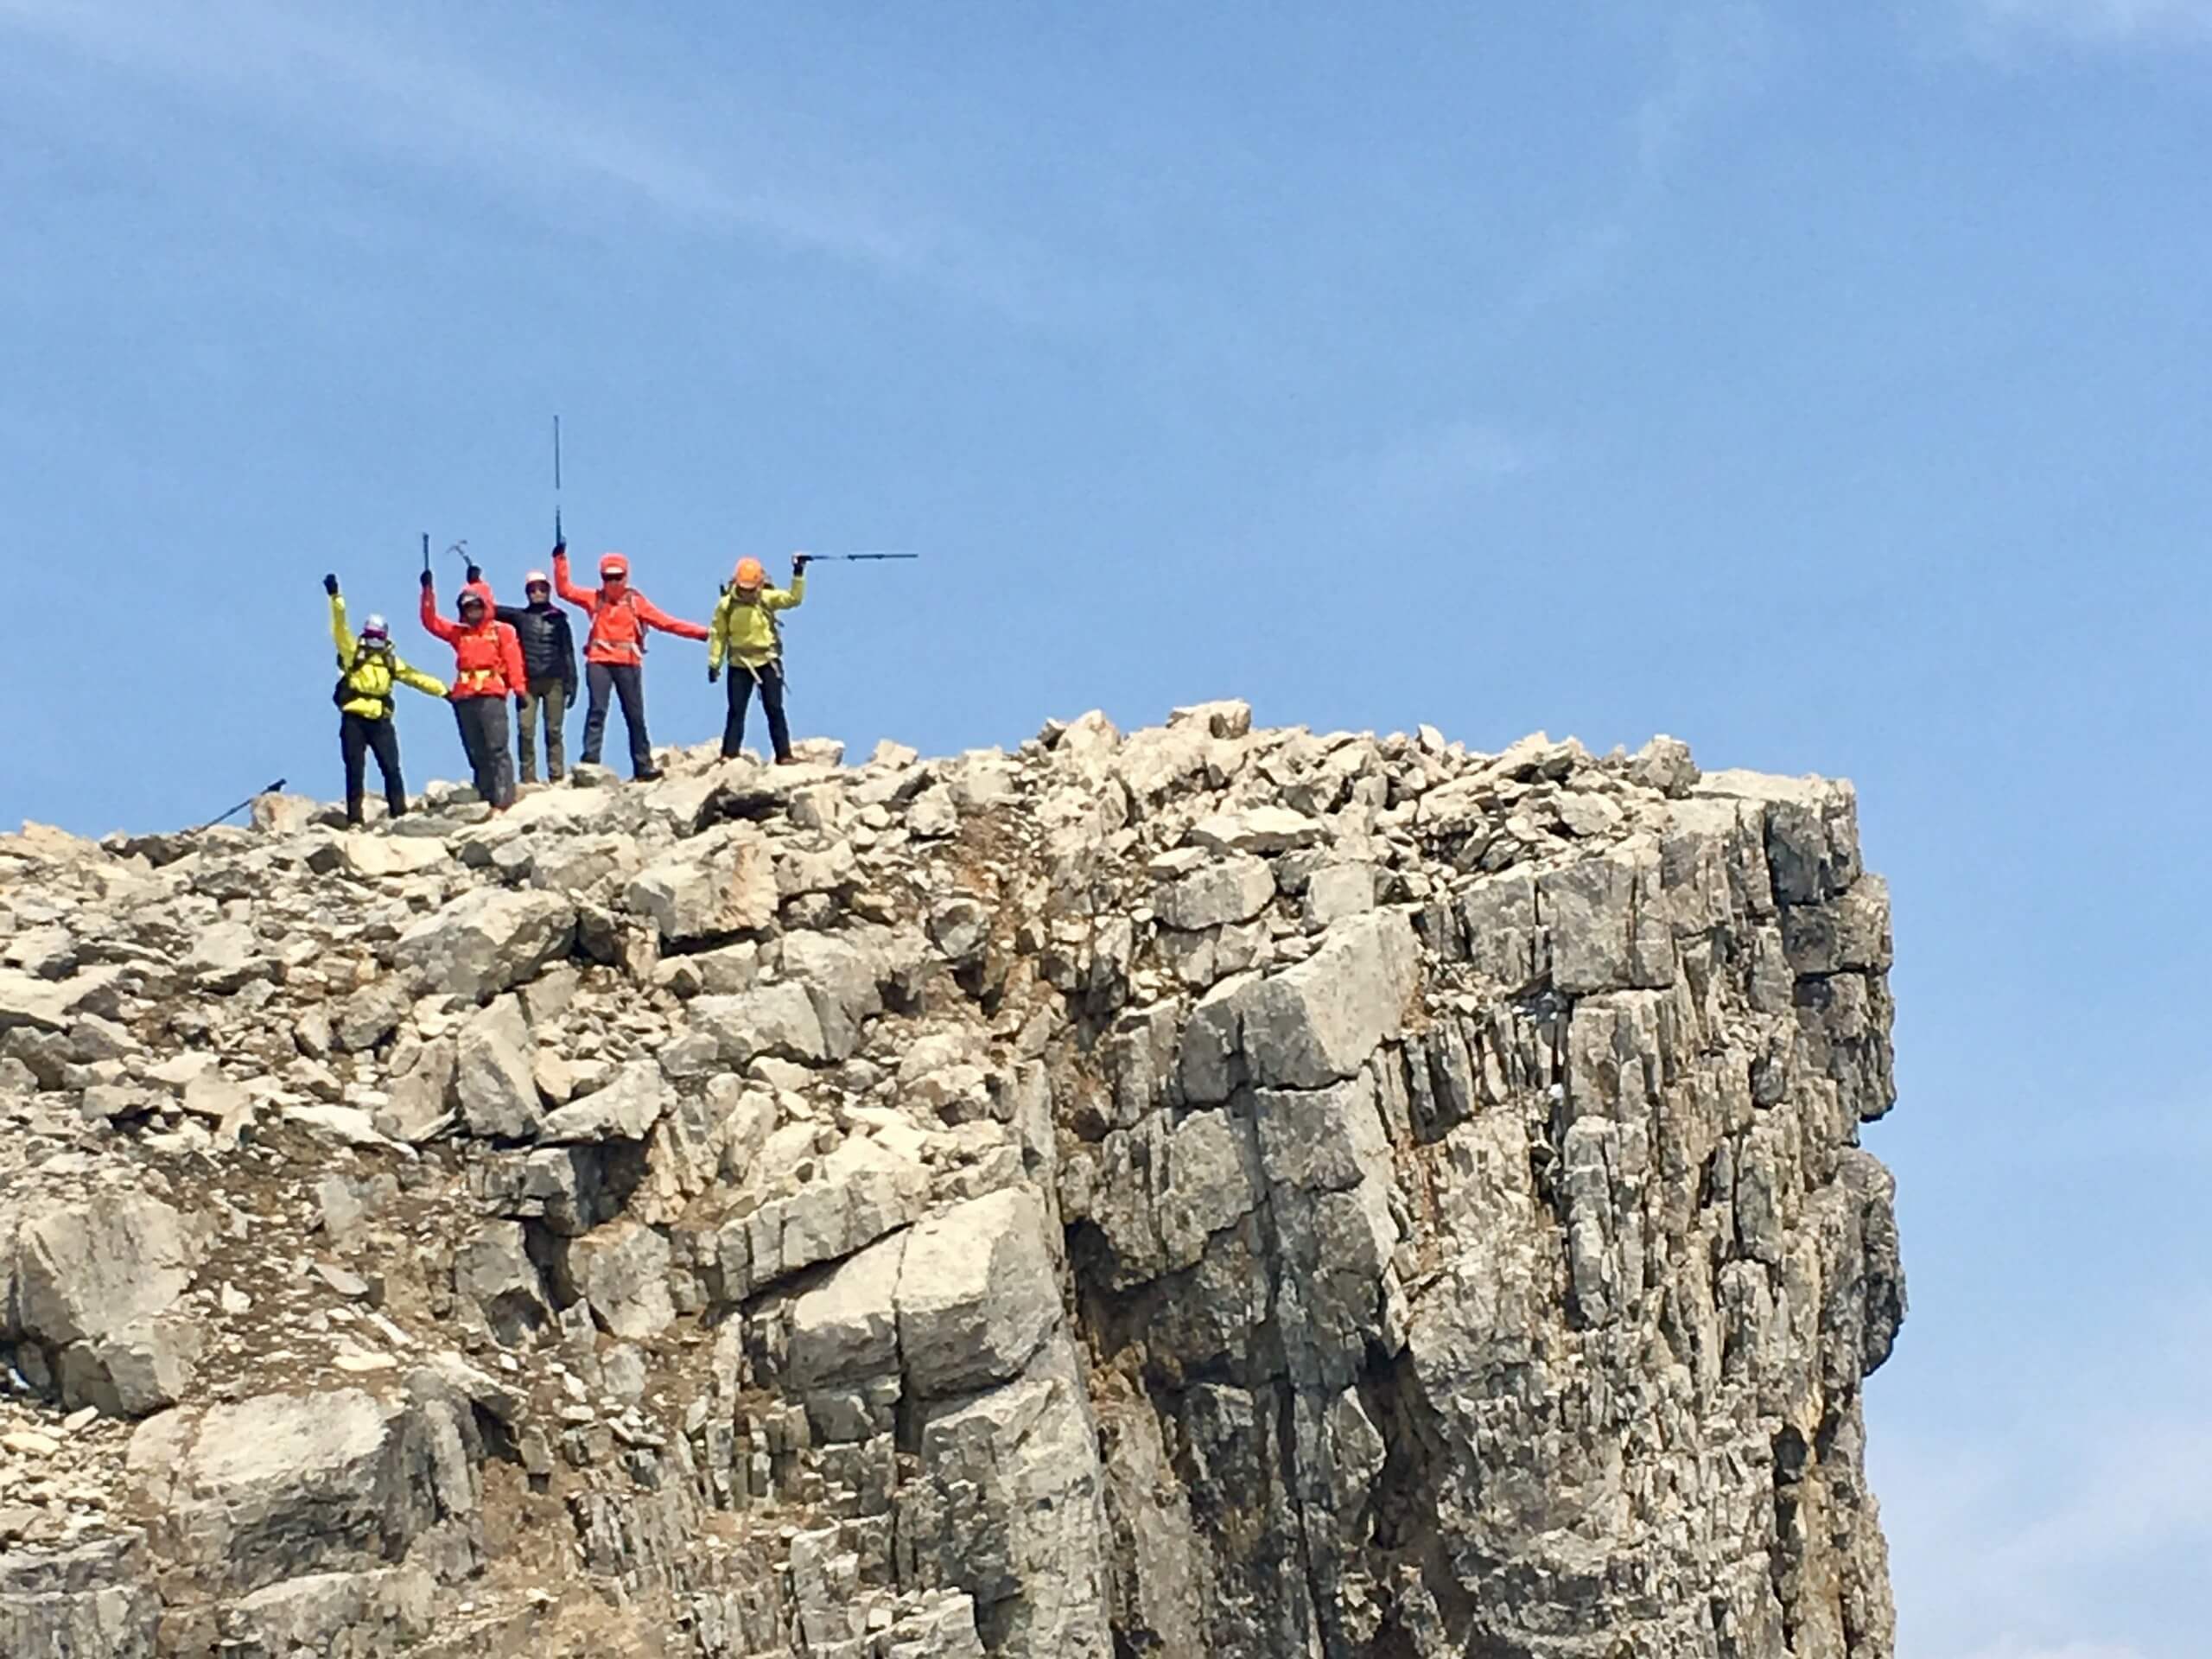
487, 659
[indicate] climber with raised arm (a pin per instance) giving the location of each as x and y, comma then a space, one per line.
615, 652
487, 670
549, 657
746, 637
368, 669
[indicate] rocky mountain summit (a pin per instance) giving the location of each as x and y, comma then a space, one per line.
1205, 1191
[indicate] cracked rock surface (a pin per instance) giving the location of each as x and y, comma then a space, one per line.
1208, 1191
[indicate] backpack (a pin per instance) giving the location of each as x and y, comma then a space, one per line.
344, 693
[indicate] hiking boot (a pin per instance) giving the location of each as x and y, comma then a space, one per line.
646, 775
787, 759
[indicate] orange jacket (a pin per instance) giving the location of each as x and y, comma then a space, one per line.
620, 616
487, 659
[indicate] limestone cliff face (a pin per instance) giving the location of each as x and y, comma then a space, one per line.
1213, 1192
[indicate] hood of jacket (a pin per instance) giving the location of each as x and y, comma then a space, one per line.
483, 591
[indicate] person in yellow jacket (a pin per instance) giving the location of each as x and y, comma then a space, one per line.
368, 671
744, 634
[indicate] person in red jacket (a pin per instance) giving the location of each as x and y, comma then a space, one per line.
487, 670
614, 654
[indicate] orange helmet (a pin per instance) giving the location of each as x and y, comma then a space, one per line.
750, 574
613, 567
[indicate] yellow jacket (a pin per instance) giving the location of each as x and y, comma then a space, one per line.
369, 678
742, 632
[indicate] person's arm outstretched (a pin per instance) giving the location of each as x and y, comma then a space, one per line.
428, 685
583, 597
437, 625
790, 598
653, 617
341, 635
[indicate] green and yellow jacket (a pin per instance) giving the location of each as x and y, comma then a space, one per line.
747, 633
369, 676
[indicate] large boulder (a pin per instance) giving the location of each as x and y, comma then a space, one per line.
97, 1269
94, 1596
281, 1486
625, 1109
376, 856
843, 974
778, 1020
1196, 892
494, 1272
621, 1272
494, 1076
862, 1191
140, 1369
46, 1004
977, 1294
1311, 1024
1010, 1507
722, 882
487, 941
373, 1012
846, 1328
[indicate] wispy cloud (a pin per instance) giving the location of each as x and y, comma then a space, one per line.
1717, 51
2103, 22
1433, 469
1714, 54
564, 159
2016, 1534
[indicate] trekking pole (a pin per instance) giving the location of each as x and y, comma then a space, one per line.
239, 808
559, 540
426, 552
814, 558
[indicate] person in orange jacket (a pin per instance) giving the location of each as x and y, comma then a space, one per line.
487, 670
614, 654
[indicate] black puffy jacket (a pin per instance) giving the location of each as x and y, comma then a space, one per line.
549, 649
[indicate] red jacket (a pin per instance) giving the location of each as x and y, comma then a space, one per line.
620, 616
487, 659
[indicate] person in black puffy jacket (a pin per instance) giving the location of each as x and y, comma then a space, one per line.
549, 656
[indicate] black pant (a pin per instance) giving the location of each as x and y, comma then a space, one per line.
483, 722
627, 681
770, 676
358, 737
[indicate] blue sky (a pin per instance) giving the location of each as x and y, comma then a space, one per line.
1826, 389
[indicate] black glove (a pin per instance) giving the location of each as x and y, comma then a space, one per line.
330, 586
475, 573
429, 581
561, 549
714, 673
800, 561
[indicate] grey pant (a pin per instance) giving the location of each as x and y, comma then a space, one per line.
553, 696
483, 722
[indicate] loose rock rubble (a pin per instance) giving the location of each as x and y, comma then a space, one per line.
1209, 1190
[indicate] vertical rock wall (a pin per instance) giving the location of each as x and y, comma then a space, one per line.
1208, 1192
